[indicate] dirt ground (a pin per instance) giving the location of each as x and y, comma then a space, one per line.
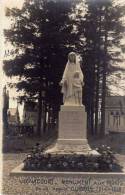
13, 186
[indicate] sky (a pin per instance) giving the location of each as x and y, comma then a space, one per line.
5, 23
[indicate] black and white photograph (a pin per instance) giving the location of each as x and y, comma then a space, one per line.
63, 97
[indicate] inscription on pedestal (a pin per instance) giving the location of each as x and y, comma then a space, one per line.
73, 117
86, 184
72, 132
72, 124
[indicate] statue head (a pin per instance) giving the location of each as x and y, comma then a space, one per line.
72, 57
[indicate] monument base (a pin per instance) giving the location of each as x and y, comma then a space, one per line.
68, 146
83, 149
72, 136
71, 183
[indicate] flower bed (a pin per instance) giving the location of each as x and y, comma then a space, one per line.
37, 160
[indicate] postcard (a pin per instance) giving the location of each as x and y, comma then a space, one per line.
63, 97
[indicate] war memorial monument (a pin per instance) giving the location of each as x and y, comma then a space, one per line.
71, 167
72, 135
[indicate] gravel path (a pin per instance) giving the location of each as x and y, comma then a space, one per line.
13, 185
10, 185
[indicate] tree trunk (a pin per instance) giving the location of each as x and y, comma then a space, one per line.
44, 118
92, 118
93, 103
39, 114
98, 81
97, 103
104, 79
103, 104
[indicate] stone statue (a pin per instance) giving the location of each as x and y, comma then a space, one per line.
72, 81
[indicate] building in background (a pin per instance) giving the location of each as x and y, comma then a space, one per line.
13, 116
13, 121
115, 114
29, 119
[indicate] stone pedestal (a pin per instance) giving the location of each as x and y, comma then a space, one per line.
72, 133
